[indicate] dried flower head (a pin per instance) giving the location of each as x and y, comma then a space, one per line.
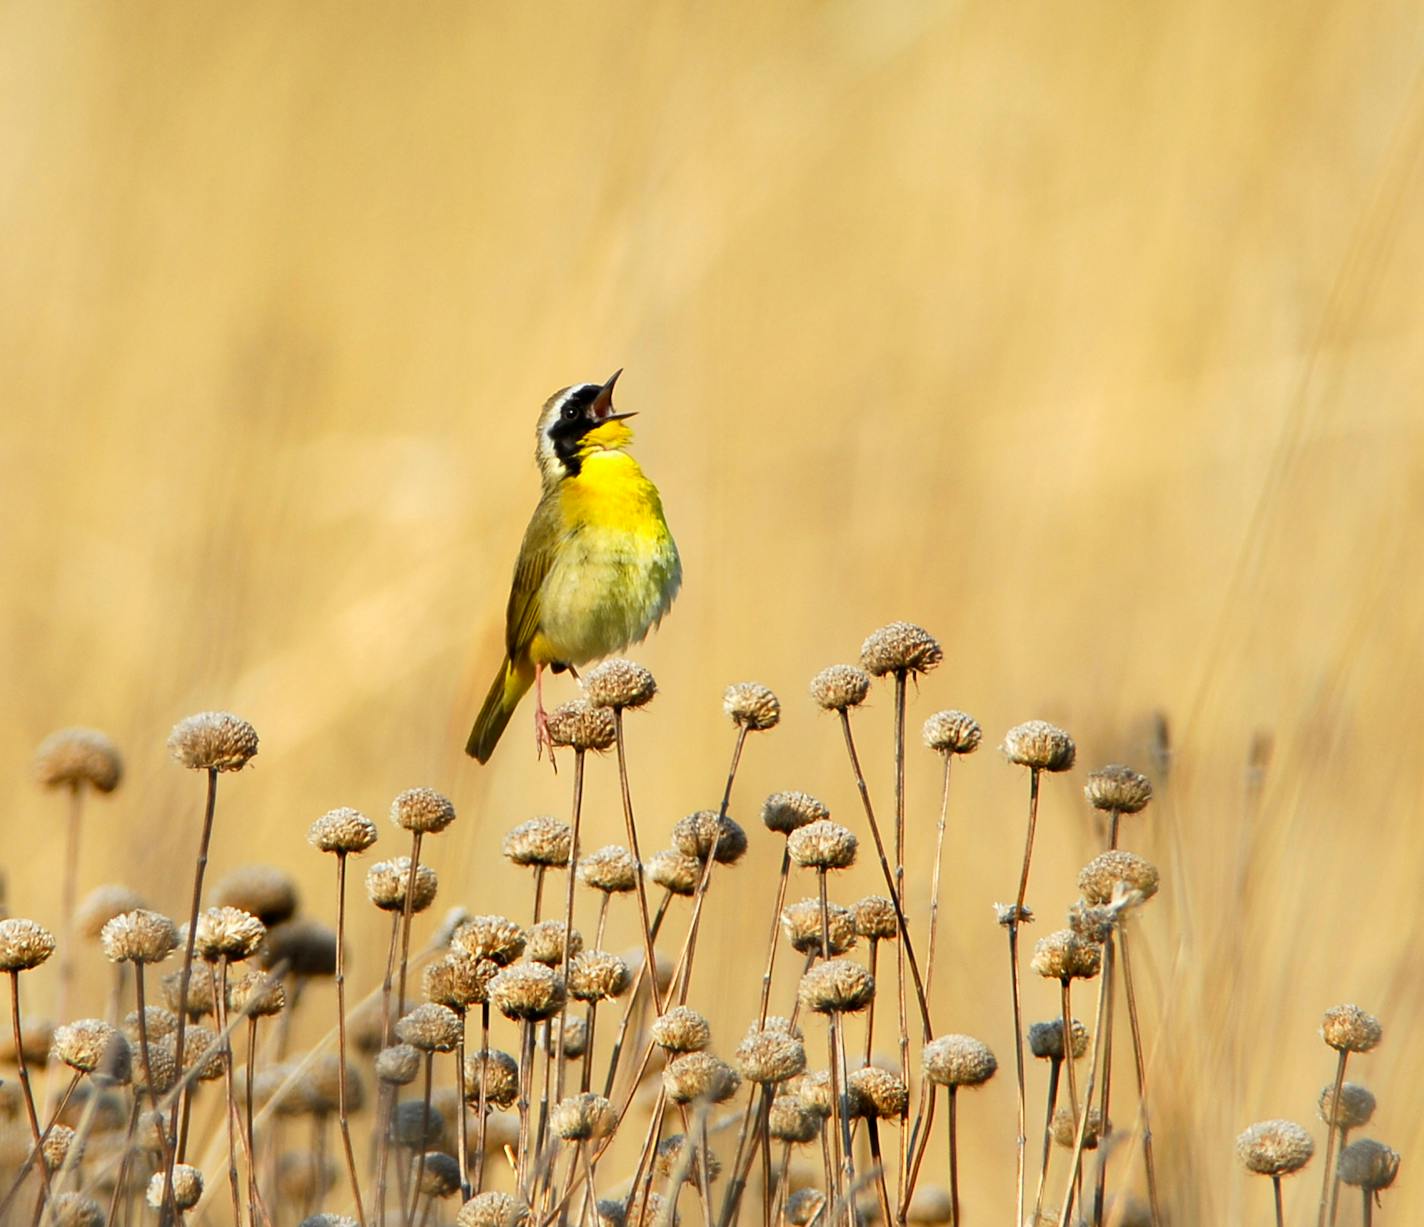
431, 1028
527, 992
770, 1055
304, 947
23, 944
793, 1121
1116, 789
101, 905
72, 758
546, 943
201, 999
322, 1087
1101, 877
386, 885
837, 986
597, 975
202, 1053
1045, 1039
874, 918
699, 834
958, 1060
879, 1092
496, 938
801, 922
187, 1187
227, 933
1367, 1164
1093, 924
440, 1176
139, 936
784, 812
156, 1020
582, 726
752, 706
398, 1064
805, 1206
953, 732
695, 1076
493, 1209
36, 1036
422, 810
619, 683
458, 981
1347, 1028
343, 831
611, 870
571, 1032
1040, 745
822, 845
540, 841
267, 892
92, 1046
674, 872
1064, 955
1064, 1128
57, 1145
681, 1029
213, 741
501, 1075
676, 1159
416, 1126
900, 647
581, 1117
1274, 1147
158, 1073
1357, 1105
839, 687
76, 1210
256, 995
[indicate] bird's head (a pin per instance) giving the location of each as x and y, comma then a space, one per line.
576, 422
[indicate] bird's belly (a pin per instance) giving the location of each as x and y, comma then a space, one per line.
607, 589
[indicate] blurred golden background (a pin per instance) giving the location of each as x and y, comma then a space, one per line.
1089, 337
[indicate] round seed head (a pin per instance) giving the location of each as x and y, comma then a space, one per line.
581, 1117
431, 1028
575, 1037
837, 986
304, 947
958, 1060
597, 975
23, 944
458, 981
839, 687
695, 1076
501, 1074
1045, 1039
1066, 956
77, 757
793, 1121
493, 1209
953, 732
582, 726
801, 922
899, 647
805, 1206
752, 706
1039, 745
1274, 1147
227, 933
698, 834
139, 936
496, 938
441, 1175
546, 943
527, 992
200, 1001
386, 885
267, 892
202, 1053
1092, 924
822, 845
815, 1092
879, 1092
342, 830
540, 841
213, 741
398, 1065
423, 810
187, 1187
1367, 1164
1101, 877
415, 1126
1347, 1028
322, 1088
158, 1021
930, 1205
1357, 1105
619, 683
674, 872
681, 1029
57, 1147
101, 905
1065, 1128
162, 1063
611, 870
770, 1056
874, 918
92, 1046
76, 1210
675, 1157
785, 812
1117, 789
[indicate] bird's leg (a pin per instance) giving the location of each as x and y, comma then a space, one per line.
541, 720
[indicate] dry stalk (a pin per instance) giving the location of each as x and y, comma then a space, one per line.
343, 1114
632, 831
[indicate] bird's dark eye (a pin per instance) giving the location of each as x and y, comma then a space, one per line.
569, 413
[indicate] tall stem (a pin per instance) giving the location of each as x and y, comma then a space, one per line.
934, 879
1329, 1178
407, 911
771, 941
343, 1114
68, 896
899, 897
1140, 1064
954, 1157
480, 1121
1055, 1068
462, 1124
632, 830
1015, 918
569, 918
24, 1072
230, 1088
1105, 1102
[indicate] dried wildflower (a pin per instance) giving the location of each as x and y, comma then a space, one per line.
1064, 1128
879, 1092
805, 1206
899, 647
1092, 924
501, 1074
958, 1060
597, 975
493, 1210
157, 1021
801, 922
23, 944
227, 933
770, 1055
304, 947
752, 706
669, 1161
681, 1029
699, 834
187, 1187
74, 757
386, 885
836, 986
76, 1210
343, 830
619, 683
1116, 789
546, 943
267, 892
201, 1000
793, 1121
1066, 956
1045, 1039
440, 1174
573, 1032
1347, 1028
162, 1063
674, 872
784, 812
822, 845
581, 1117
213, 741
611, 870
540, 841
695, 1076
415, 1126
930, 1205
398, 1064
1357, 1105
1274, 1147
101, 905
582, 726
431, 1028
1101, 877
139, 936
874, 918
1367, 1164
92, 1046
57, 1146
1039, 745
422, 810
527, 992
458, 981
839, 687
202, 1053
952, 732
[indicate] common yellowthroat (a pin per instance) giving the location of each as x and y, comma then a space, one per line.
598, 568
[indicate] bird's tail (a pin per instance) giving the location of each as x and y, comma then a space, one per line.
510, 685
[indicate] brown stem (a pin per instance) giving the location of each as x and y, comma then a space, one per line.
24, 1073
632, 830
1140, 1064
233, 1119
882, 1192
1280, 1211
1081, 1132
1054, 1069
526, 1079
407, 911
462, 1124
569, 919
870, 1009
1367, 1216
953, 1158
766, 975
480, 1121
1330, 1132
935, 879
342, 1113
647, 972
420, 1149
1014, 920
899, 896
1105, 1102
69, 893
38, 1149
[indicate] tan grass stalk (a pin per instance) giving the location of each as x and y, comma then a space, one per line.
631, 827
1140, 1066
343, 1113
574, 824
24, 1074
233, 1118
1013, 920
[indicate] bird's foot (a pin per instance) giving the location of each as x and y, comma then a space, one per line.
542, 737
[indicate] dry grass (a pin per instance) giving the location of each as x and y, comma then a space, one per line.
1088, 338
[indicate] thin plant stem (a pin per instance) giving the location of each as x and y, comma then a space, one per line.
1329, 1178
579, 756
1280, 1210
953, 1157
480, 1122
343, 1115
69, 894
1081, 1131
407, 911
878, 1163
1065, 997
247, 1124
1334, 1184
526, 1078
933, 945
24, 1072
424, 1121
1105, 1102
1054, 1070
1140, 1065
632, 831
647, 972
1015, 918
870, 1009
234, 1120
122, 1180
899, 896
766, 976
462, 1124
1367, 1216
38, 1148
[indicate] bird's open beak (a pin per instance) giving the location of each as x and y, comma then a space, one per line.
602, 407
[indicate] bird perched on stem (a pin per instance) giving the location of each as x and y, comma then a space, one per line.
598, 568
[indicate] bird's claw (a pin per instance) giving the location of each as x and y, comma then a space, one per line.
543, 738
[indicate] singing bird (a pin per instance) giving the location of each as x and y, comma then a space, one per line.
598, 568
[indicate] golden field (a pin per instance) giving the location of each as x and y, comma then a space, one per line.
1088, 337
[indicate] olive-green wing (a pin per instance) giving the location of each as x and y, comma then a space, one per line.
536, 556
